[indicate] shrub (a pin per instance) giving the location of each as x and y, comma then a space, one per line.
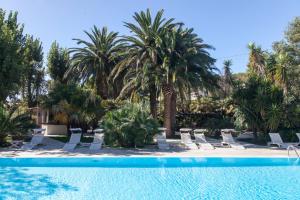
13, 123
129, 126
74, 105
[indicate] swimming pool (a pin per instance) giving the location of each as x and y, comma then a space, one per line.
149, 178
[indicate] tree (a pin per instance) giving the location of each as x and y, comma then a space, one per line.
73, 105
186, 64
33, 72
283, 62
96, 59
227, 77
256, 63
141, 62
11, 47
58, 63
259, 104
293, 32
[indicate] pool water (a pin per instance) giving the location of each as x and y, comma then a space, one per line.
149, 178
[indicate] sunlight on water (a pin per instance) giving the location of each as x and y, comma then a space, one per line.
253, 182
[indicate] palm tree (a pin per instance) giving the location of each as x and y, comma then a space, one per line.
96, 59
228, 82
186, 64
281, 68
256, 63
141, 60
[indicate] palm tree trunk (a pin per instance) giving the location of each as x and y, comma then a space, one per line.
153, 101
169, 108
101, 86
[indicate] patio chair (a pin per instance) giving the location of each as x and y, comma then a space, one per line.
98, 140
162, 139
186, 139
36, 140
74, 139
202, 142
276, 140
229, 141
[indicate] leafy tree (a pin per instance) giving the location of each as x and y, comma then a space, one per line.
11, 45
259, 104
96, 59
33, 81
58, 63
293, 32
73, 105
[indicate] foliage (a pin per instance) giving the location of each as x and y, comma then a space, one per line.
33, 83
207, 112
73, 105
58, 62
174, 60
259, 105
129, 126
11, 46
96, 59
13, 123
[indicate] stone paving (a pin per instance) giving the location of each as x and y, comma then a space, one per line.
53, 148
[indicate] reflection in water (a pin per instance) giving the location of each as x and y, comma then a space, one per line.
15, 183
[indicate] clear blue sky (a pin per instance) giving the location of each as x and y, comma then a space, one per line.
228, 25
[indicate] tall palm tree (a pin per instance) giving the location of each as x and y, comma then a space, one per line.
228, 82
281, 70
256, 63
141, 60
186, 64
96, 58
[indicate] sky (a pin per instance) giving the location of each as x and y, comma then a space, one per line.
228, 25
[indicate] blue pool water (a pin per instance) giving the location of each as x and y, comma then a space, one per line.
149, 178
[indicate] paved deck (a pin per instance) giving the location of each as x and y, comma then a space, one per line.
53, 148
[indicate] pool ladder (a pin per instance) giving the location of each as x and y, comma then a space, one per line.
291, 147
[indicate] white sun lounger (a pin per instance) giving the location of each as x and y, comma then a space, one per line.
201, 141
36, 140
277, 141
98, 140
229, 141
74, 140
162, 139
298, 135
187, 141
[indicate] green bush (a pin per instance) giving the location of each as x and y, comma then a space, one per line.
13, 123
129, 126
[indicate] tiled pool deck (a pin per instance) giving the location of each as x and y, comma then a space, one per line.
53, 148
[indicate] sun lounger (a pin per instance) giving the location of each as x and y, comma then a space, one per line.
74, 140
162, 139
298, 135
35, 141
98, 140
186, 139
277, 141
201, 141
229, 141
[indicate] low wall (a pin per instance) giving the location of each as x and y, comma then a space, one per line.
52, 129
